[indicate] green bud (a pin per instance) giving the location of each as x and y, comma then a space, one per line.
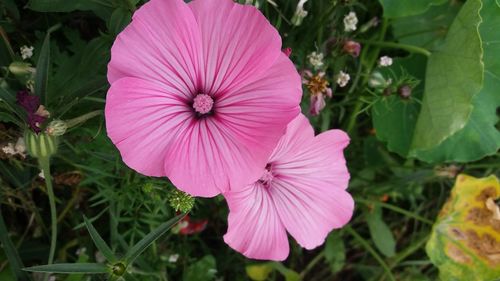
56, 128
22, 69
180, 201
118, 269
41, 145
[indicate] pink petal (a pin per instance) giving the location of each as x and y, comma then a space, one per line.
255, 117
163, 44
239, 43
309, 185
254, 228
142, 118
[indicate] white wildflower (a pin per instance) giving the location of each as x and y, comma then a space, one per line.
350, 22
20, 147
27, 52
316, 59
385, 61
99, 257
41, 174
9, 149
343, 78
300, 13
173, 258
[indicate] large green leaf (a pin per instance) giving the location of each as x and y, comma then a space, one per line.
479, 137
204, 269
102, 8
404, 8
465, 240
426, 30
454, 76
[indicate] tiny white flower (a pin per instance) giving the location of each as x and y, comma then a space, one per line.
9, 149
41, 174
173, 258
350, 22
27, 52
81, 251
316, 59
300, 13
385, 61
99, 257
343, 78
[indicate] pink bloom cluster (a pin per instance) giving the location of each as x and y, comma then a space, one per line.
201, 93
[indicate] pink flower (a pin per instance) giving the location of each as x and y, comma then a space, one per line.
318, 88
302, 191
352, 48
200, 93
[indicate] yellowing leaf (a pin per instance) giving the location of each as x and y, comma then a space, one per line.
465, 240
259, 272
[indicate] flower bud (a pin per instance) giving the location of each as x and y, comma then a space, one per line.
180, 201
377, 81
22, 69
40, 145
56, 128
404, 91
352, 48
119, 269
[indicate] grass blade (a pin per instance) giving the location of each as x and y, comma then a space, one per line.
144, 243
99, 242
89, 268
15, 261
42, 67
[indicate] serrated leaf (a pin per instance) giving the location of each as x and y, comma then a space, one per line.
144, 243
89, 268
454, 76
380, 232
99, 242
465, 240
404, 8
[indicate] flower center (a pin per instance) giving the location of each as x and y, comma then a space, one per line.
267, 177
317, 84
203, 103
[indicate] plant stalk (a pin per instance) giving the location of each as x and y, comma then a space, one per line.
44, 163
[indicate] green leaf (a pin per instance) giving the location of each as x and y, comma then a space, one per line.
404, 8
426, 30
42, 67
394, 118
335, 251
204, 269
99, 242
259, 272
15, 261
144, 243
454, 76
380, 232
89, 268
465, 240
289, 274
101, 8
120, 18
479, 137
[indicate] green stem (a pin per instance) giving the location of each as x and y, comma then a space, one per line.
395, 209
371, 251
44, 163
311, 264
394, 45
80, 119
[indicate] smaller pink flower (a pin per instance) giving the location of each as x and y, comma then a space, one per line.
318, 88
352, 48
302, 191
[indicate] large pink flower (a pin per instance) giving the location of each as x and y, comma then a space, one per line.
302, 190
200, 92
